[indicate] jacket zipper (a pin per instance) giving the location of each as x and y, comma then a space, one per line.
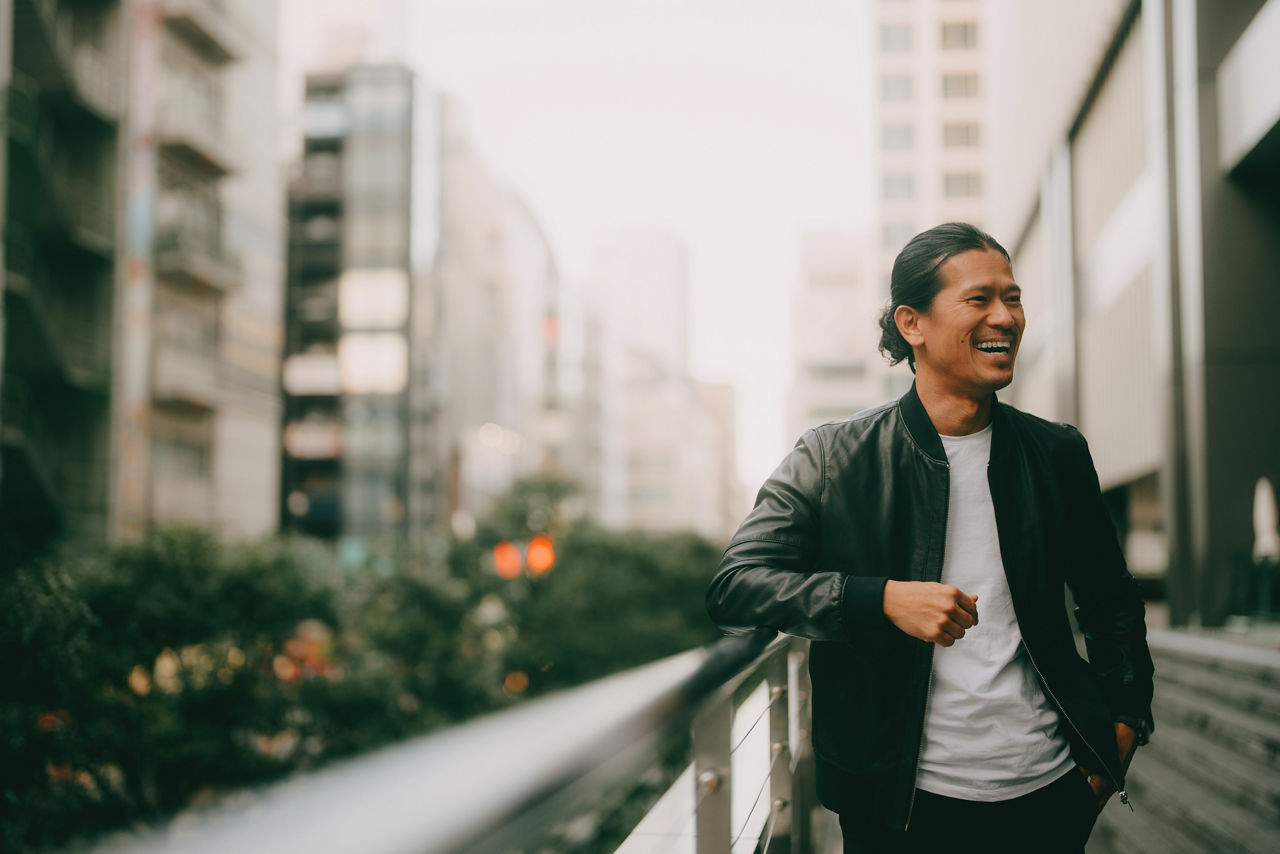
928, 692
1124, 796
928, 686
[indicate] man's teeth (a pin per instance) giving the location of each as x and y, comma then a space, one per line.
994, 346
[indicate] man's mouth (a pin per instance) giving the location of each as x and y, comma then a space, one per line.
996, 346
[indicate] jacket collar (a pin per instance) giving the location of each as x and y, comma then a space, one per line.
923, 433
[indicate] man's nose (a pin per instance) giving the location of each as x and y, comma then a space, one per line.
1000, 315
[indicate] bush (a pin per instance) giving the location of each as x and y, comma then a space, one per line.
138, 679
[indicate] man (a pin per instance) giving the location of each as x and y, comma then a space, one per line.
923, 547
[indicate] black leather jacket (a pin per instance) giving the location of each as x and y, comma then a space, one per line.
862, 501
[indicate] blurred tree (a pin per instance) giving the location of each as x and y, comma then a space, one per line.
611, 601
138, 679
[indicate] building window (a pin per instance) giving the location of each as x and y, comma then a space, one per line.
896, 234
960, 134
960, 85
959, 35
895, 38
900, 137
896, 87
961, 184
899, 185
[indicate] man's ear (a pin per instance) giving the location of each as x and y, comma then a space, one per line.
908, 320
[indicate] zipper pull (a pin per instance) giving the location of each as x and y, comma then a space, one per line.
1124, 799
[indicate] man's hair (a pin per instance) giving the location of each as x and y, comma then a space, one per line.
915, 281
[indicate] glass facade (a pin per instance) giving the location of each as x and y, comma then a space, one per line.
347, 431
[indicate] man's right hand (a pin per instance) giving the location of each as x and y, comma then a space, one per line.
937, 613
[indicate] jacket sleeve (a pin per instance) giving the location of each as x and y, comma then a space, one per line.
770, 577
1109, 603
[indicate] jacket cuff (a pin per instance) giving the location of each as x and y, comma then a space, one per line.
862, 603
1141, 726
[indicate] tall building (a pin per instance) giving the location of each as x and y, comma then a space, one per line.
353, 307
838, 368
143, 268
195, 401
1146, 226
498, 374
662, 436
929, 132
61, 69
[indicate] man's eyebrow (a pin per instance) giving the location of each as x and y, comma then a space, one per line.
988, 287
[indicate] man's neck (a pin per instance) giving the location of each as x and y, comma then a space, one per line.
952, 414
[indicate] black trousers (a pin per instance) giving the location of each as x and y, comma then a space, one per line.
1055, 818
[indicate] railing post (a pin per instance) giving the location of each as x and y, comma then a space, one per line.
781, 796
803, 782
712, 776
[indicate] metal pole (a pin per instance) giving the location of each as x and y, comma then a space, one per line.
780, 752
711, 772
803, 782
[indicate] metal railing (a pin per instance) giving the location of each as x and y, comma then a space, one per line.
504, 781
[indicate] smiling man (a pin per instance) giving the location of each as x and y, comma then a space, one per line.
923, 546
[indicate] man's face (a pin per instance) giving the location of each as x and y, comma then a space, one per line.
969, 337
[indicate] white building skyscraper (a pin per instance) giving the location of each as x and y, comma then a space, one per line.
929, 97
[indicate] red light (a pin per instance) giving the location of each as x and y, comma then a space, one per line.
542, 555
507, 560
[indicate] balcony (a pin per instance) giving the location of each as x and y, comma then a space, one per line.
187, 255
51, 332
313, 439
97, 84
316, 258
314, 188
190, 131
62, 178
181, 498
204, 24
32, 460
45, 48
184, 377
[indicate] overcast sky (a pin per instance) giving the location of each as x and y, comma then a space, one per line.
736, 124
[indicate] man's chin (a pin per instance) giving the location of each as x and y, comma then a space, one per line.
999, 381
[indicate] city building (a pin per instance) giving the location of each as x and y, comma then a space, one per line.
194, 395
64, 107
835, 336
662, 437
498, 306
354, 312
930, 107
929, 112
143, 269
1145, 224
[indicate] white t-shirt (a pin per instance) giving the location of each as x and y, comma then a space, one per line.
990, 733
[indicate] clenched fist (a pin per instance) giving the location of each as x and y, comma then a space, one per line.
937, 613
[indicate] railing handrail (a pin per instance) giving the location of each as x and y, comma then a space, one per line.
484, 785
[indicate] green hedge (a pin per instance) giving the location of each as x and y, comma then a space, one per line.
139, 679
